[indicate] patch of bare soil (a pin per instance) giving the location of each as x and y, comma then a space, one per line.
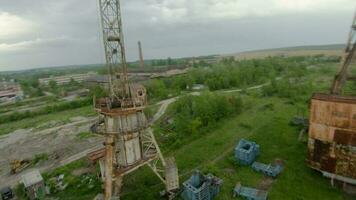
265, 183
59, 143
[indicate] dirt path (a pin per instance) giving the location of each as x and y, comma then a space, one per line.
162, 109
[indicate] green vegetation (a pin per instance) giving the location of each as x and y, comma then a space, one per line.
85, 135
293, 88
191, 116
151, 110
38, 158
230, 73
33, 122
213, 152
38, 101
206, 128
80, 186
46, 110
31, 87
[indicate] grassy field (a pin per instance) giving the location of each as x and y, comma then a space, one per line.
265, 122
331, 50
270, 128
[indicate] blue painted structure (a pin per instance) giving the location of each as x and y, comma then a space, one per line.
249, 193
268, 170
246, 152
201, 187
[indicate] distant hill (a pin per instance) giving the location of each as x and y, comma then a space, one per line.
310, 47
330, 50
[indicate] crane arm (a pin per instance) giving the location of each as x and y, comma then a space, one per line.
113, 39
348, 58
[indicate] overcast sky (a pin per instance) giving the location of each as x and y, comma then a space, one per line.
40, 33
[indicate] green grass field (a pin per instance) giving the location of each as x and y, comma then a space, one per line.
270, 128
213, 152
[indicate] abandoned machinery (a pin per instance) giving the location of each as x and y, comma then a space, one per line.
129, 142
332, 130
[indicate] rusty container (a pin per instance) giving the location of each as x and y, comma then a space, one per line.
332, 136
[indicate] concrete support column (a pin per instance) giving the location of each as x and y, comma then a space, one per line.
109, 146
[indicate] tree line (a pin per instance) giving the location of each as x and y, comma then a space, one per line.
231, 73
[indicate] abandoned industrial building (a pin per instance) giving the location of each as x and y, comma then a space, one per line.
256, 125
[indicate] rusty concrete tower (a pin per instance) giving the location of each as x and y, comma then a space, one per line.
142, 63
129, 142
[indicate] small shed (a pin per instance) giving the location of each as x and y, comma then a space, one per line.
201, 187
246, 152
34, 184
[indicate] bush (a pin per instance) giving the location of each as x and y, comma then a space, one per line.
46, 110
194, 115
292, 88
195, 112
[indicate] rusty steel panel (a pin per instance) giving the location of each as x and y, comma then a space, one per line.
321, 132
96, 155
353, 140
328, 164
344, 136
341, 114
343, 163
352, 166
332, 135
321, 150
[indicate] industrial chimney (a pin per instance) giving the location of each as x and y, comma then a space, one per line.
142, 64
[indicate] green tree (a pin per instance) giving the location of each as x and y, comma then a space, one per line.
52, 84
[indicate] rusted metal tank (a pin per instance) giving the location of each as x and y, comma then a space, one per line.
332, 137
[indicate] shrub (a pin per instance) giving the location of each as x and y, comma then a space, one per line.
194, 115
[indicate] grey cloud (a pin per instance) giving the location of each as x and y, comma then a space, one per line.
69, 30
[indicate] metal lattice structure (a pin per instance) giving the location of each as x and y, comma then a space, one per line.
129, 142
113, 39
348, 58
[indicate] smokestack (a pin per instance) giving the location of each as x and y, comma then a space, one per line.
142, 64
